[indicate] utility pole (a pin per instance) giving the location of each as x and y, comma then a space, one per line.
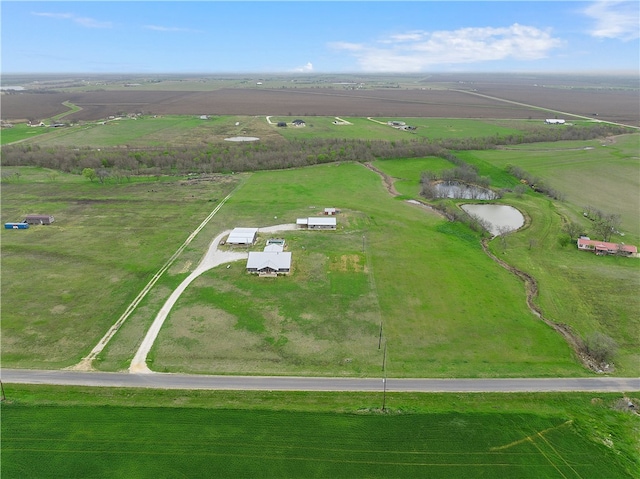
384, 379
363, 243
384, 357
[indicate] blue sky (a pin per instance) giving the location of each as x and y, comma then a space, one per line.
319, 37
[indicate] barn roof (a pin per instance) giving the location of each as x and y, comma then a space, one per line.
242, 235
322, 221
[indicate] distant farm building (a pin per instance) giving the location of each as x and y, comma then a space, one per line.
269, 263
16, 226
298, 123
38, 219
317, 223
242, 236
602, 248
330, 211
554, 121
281, 124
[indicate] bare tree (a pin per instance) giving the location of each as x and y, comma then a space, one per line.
572, 228
600, 347
607, 225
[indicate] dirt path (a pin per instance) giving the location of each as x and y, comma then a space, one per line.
86, 364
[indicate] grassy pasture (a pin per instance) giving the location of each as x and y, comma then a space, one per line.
79, 432
376, 128
589, 293
106, 243
165, 130
604, 175
20, 132
409, 287
156, 132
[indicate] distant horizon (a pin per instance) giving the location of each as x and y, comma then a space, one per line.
319, 37
632, 73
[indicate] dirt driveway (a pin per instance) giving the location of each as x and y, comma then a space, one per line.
212, 258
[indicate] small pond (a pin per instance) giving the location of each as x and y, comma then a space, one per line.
453, 189
499, 216
242, 138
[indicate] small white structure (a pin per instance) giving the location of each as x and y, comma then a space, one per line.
242, 236
330, 211
554, 121
266, 263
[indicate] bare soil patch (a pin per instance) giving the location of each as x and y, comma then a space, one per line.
618, 106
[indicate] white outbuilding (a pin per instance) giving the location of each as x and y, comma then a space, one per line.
242, 236
554, 121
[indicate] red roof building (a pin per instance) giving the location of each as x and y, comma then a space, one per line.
604, 248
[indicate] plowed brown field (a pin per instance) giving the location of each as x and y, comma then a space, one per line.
619, 106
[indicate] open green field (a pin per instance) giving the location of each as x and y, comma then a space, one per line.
288, 326
88, 432
149, 131
601, 174
86, 267
425, 279
377, 128
20, 132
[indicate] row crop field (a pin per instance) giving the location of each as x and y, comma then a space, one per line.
518, 102
137, 434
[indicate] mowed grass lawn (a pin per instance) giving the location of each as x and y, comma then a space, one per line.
63, 285
446, 309
104, 433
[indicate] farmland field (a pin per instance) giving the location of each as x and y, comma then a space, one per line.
441, 96
396, 290
67, 432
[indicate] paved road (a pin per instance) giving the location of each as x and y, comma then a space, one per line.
274, 383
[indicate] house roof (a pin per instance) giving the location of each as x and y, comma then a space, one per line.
242, 235
260, 260
605, 246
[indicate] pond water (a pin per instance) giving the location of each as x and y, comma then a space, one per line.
242, 138
453, 189
499, 217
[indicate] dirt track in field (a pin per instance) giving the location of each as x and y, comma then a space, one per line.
619, 106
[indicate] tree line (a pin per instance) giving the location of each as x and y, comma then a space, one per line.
226, 158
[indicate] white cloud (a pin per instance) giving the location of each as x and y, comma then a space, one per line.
416, 51
82, 21
304, 68
615, 19
159, 28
